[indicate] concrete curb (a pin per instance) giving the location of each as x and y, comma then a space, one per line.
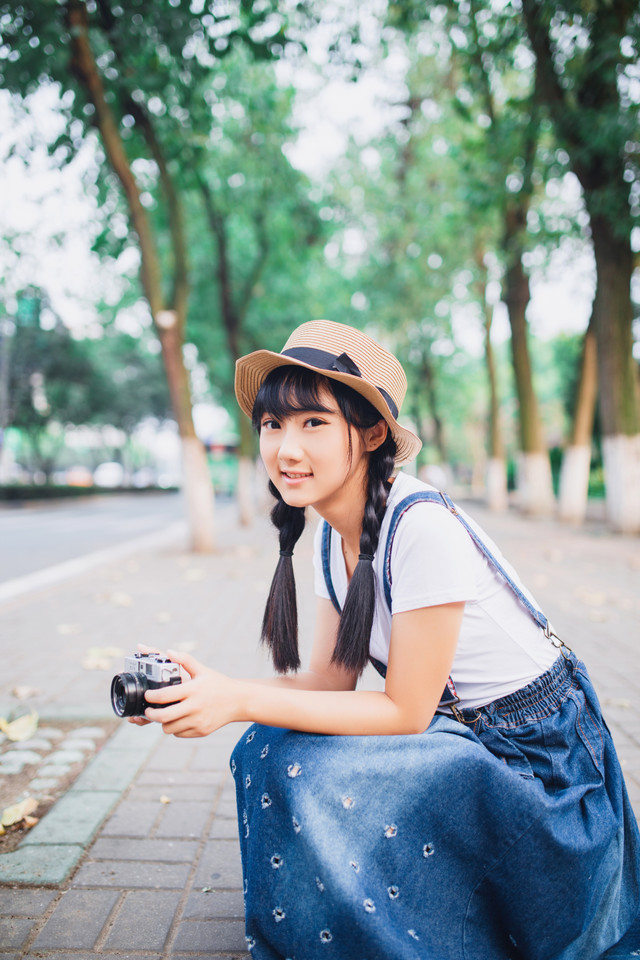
52, 850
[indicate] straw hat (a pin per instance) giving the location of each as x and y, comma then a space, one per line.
341, 353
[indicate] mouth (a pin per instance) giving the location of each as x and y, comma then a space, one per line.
292, 477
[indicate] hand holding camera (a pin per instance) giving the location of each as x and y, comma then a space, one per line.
143, 671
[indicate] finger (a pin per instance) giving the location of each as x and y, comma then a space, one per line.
190, 664
165, 715
171, 694
144, 649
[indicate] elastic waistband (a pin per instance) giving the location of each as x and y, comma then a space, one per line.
539, 698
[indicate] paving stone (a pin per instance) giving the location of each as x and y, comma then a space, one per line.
113, 873
217, 904
173, 792
111, 769
75, 818
55, 769
143, 921
184, 818
224, 829
25, 757
42, 785
66, 757
167, 851
39, 864
78, 744
183, 777
132, 819
51, 733
219, 866
25, 903
78, 919
210, 935
94, 733
33, 744
14, 931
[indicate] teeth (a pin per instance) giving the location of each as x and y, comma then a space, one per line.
297, 476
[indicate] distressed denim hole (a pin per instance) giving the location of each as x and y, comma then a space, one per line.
276, 861
393, 891
278, 914
326, 936
413, 934
348, 802
233, 768
369, 905
265, 801
264, 752
319, 884
250, 737
355, 865
250, 942
390, 830
247, 781
428, 850
296, 826
294, 770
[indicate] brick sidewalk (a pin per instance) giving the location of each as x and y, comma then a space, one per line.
161, 878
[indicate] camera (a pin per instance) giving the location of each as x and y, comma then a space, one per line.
143, 671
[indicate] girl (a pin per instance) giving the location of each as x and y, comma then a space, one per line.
475, 808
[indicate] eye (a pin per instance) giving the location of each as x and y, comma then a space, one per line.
315, 422
269, 424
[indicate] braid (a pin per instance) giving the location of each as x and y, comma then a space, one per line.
280, 622
354, 632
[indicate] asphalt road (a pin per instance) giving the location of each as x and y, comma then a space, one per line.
35, 536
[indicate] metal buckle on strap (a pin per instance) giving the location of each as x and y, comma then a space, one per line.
460, 717
551, 635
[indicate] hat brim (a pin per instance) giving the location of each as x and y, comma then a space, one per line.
252, 369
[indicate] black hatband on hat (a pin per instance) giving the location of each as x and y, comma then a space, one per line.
324, 360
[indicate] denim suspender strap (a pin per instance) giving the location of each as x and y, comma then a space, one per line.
326, 564
433, 496
449, 696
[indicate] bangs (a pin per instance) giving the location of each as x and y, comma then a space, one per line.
288, 390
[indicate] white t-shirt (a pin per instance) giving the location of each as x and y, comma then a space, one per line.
501, 648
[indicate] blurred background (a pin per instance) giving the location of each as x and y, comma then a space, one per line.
184, 181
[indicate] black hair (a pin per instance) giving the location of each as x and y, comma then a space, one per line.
292, 389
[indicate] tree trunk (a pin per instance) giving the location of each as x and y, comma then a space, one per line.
617, 373
576, 461
496, 468
169, 323
535, 490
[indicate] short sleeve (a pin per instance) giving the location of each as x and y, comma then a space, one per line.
319, 582
433, 560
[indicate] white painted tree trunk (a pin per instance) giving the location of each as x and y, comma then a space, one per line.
534, 485
496, 484
245, 491
574, 484
621, 456
198, 491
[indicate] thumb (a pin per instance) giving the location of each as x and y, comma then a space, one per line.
190, 664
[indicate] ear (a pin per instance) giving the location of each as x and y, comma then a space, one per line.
375, 436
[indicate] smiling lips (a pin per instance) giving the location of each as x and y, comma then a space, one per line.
295, 476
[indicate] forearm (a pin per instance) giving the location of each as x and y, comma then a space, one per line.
343, 712
303, 680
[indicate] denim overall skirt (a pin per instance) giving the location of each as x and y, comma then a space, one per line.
500, 833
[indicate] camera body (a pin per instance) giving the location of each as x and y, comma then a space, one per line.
142, 672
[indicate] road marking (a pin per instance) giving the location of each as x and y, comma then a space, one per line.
19, 586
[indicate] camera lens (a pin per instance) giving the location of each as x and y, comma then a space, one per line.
127, 695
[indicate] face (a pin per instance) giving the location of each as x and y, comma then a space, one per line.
306, 456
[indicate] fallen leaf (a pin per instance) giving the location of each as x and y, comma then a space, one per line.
21, 729
101, 658
165, 799
2, 831
30, 821
121, 599
24, 692
18, 812
67, 628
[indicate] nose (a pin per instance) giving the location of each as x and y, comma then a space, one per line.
290, 448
